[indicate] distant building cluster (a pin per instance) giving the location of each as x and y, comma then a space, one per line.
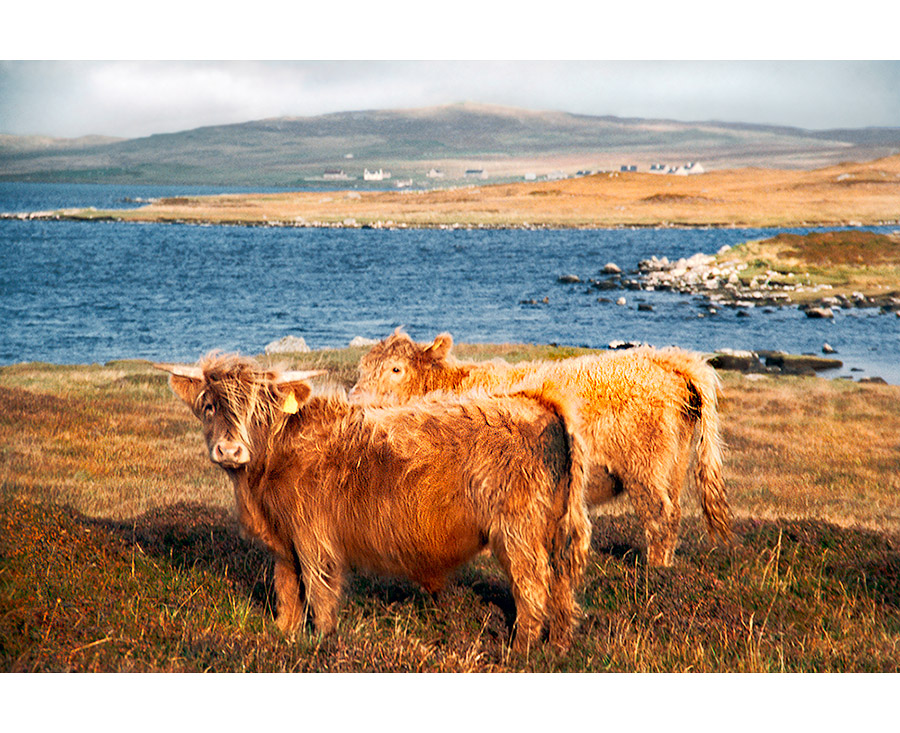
688, 169
380, 174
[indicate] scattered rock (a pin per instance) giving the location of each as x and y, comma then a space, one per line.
734, 360
621, 301
288, 345
618, 345
568, 279
799, 364
605, 284
611, 268
872, 380
819, 313
828, 348
645, 307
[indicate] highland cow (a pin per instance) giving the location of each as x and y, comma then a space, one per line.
412, 491
647, 415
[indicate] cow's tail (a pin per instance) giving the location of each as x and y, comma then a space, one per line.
703, 388
569, 532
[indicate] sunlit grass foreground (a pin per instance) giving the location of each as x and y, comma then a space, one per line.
118, 549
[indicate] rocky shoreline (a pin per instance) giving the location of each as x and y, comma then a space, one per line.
97, 215
719, 282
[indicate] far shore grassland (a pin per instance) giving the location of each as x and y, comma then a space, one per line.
850, 193
119, 550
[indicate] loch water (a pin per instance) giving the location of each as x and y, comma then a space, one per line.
90, 292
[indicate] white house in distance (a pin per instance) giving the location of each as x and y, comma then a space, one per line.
378, 175
435, 173
688, 169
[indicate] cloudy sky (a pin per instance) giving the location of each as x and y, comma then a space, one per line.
130, 98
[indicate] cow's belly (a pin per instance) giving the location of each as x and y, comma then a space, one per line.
423, 548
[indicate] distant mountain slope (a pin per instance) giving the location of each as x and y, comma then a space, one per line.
43, 143
505, 142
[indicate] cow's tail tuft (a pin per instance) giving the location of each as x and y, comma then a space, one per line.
703, 384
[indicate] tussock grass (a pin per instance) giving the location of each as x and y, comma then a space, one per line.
119, 551
845, 261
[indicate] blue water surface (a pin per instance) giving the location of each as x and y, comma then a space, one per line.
85, 292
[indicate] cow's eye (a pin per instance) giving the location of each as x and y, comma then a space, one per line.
396, 370
209, 411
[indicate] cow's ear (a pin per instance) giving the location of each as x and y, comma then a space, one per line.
293, 396
440, 349
185, 381
186, 387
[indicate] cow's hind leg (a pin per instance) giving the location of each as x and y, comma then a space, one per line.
568, 559
528, 571
660, 518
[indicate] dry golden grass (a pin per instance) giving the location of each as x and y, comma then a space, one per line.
805, 447
865, 193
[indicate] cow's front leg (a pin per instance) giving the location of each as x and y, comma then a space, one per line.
290, 611
323, 582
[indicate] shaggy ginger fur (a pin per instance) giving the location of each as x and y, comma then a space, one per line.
413, 490
646, 415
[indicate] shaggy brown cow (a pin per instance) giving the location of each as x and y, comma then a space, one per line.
413, 490
647, 414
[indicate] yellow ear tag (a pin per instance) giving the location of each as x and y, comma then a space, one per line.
290, 404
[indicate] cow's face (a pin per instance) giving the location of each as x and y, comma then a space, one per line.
399, 367
238, 407
229, 434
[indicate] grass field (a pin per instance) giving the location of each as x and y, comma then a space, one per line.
119, 551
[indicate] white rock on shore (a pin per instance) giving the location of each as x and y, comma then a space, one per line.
288, 345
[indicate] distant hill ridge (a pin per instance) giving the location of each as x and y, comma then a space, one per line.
505, 142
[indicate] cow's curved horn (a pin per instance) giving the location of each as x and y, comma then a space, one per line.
299, 376
180, 370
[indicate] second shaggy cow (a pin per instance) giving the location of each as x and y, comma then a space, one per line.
647, 415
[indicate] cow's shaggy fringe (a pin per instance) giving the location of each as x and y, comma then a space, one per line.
646, 414
412, 490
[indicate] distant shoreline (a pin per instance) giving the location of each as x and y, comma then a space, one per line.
115, 215
850, 194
